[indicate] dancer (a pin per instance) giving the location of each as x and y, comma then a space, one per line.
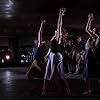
55, 59
34, 49
79, 49
35, 69
64, 48
69, 53
89, 59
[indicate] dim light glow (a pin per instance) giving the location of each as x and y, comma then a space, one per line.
8, 74
7, 8
7, 57
8, 16
9, 4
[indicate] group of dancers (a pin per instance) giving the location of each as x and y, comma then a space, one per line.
50, 64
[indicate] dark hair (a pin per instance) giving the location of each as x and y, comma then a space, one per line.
97, 29
54, 46
90, 40
64, 30
54, 42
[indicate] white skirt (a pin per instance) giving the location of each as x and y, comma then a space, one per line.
50, 67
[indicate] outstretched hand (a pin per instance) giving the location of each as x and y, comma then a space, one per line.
91, 16
44, 21
62, 11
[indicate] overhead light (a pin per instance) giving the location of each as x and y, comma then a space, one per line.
7, 57
8, 8
10, 2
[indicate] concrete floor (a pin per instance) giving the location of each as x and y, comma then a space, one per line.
15, 86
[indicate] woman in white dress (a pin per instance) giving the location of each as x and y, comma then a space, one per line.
55, 59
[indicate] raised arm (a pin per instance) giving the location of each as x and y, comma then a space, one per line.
48, 53
61, 20
58, 32
40, 33
60, 26
56, 35
97, 38
88, 25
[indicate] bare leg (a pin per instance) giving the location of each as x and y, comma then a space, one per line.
77, 57
61, 73
87, 86
45, 85
77, 69
33, 65
29, 74
67, 87
78, 61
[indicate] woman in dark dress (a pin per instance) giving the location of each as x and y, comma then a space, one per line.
90, 58
37, 67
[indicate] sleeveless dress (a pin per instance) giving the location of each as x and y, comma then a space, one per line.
54, 65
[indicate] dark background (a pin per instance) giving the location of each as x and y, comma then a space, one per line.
20, 19
26, 15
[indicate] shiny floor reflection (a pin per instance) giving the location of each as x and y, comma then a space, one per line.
15, 86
